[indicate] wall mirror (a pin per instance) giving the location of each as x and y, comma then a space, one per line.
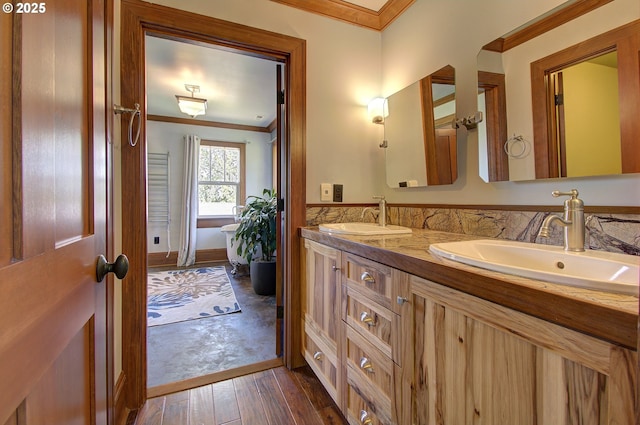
419, 134
568, 113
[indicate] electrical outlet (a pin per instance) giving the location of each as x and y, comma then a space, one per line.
325, 192
156, 240
337, 193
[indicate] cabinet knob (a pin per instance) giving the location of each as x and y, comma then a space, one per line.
317, 356
402, 300
367, 319
367, 278
335, 268
366, 365
364, 418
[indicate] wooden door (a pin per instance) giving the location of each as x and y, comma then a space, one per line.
53, 213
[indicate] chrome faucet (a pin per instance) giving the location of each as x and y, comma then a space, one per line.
381, 212
572, 221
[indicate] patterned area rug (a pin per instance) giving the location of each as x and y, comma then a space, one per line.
180, 295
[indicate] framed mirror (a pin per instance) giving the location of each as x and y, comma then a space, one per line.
591, 131
419, 136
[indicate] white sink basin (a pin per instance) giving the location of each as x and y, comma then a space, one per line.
363, 229
599, 270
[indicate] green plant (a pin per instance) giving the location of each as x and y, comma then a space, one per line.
257, 227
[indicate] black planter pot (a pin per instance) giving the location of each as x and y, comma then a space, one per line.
263, 277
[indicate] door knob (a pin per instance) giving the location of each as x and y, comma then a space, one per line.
120, 267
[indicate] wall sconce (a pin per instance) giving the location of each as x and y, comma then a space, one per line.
192, 106
378, 110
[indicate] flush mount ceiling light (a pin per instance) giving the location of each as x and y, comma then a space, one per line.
192, 106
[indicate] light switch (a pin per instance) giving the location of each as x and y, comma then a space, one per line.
326, 192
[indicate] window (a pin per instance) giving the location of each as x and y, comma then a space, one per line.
221, 185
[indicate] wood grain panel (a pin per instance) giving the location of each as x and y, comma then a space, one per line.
486, 371
381, 328
225, 402
6, 133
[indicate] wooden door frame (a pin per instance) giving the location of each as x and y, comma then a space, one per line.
138, 18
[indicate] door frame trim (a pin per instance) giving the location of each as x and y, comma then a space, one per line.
138, 18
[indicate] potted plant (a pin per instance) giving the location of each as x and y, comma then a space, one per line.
256, 236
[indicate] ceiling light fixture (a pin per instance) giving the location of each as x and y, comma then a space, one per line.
192, 106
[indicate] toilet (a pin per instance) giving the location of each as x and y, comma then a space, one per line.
232, 255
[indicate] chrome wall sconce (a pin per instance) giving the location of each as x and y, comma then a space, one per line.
192, 106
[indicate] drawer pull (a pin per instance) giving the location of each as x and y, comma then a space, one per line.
367, 319
364, 418
367, 278
365, 364
402, 300
317, 356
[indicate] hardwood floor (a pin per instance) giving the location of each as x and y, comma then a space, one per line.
272, 397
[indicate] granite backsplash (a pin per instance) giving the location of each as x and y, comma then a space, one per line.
607, 232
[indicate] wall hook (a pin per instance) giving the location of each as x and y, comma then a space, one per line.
469, 122
119, 110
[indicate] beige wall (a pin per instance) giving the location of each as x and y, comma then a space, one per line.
423, 40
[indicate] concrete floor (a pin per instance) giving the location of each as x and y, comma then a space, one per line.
183, 350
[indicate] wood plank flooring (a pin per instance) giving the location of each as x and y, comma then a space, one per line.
271, 397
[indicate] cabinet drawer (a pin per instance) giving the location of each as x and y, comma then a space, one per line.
368, 366
373, 321
370, 278
323, 360
360, 412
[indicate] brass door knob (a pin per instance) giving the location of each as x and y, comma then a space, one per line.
120, 267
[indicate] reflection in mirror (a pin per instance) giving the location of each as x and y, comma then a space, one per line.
492, 131
586, 92
420, 141
577, 119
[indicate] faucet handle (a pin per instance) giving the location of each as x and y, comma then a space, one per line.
573, 203
573, 193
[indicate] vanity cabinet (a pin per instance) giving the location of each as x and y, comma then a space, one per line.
478, 362
322, 319
394, 348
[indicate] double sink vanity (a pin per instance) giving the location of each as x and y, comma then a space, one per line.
401, 328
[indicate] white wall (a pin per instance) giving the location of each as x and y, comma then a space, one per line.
434, 33
165, 137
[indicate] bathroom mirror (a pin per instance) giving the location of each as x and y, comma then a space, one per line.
587, 133
419, 137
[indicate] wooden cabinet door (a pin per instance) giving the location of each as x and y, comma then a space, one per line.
478, 362
53, 211
322, 318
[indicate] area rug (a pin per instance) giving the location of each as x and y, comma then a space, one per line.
180, 295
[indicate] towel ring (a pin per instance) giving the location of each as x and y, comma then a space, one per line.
119, 110
510, 147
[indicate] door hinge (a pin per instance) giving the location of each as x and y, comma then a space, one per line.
280, 206
559, 99
280, 312
281, 97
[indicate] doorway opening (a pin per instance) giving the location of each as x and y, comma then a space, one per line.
190, 333
142, 18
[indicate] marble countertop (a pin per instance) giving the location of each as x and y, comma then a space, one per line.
611, 317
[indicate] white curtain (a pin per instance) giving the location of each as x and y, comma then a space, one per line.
189, 214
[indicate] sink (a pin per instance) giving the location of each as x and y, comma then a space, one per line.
363, 229
604, 271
